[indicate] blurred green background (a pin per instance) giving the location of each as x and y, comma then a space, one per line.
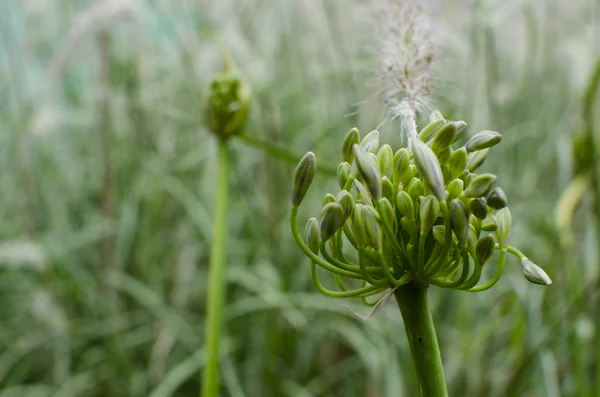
107, 178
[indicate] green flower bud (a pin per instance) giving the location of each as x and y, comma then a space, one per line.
409, 174
312, 235
484, 249
443, 138
332, 219
444, 155
372, 228
344, 198
388, 210
363, 193
476, 223
405, 204
461, 127
489, 223
534, 274
429, 211
387, 188
429, 167
358, 227
469, 177
497, 199
409, 225
478, 207
439, 234
435, 115
430, 129
303, 177
369, 171
483, 140
415, 188
459, 219
343, 172
475, 159
401, 163
385, 156
457, 163
329, 198
227, 104
370, 143
480, 185
455, 189
504, 222
472, 241
352, 138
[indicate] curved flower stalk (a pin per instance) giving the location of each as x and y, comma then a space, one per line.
406, 220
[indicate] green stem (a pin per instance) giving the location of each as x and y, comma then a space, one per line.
412, 300
216, 281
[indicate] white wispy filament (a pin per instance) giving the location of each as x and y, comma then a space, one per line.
405, 55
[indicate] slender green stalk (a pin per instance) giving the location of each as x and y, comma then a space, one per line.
412, 300
216, 281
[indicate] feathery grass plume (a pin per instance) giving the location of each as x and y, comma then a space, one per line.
405, 54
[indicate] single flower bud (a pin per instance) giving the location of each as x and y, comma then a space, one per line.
401, 163
457, 163
430, 129
227, 104
429, 167
497, 199
534, 274
352, 138
312, 235
370, 142
439, 233
504, 222
387, 188
329, 198
469, 177
489, 223
332, 219
472, 241
343, 173
372, 228
369, 171
483, 140
363, 193
454, 189
303, 177
475, 159
444, 155
409, 225
443, 138
385, 156
459, 219
429, 211
409, 175
415, 188
478, 207
405, 204
461, 127
344, 198
476, 222
388, 210
484, 249
357, 225
480, 185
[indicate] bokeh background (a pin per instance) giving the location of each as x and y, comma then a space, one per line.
107, 178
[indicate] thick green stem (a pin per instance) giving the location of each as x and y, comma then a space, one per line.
412, 300
216, 280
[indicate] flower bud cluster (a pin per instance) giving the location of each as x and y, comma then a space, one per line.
421, 214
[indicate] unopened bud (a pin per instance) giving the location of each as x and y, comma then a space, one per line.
480, 185
429, 211
455, 189
483, 140
457, 163
484, 249
387, 188
343, 172
444, 155
478, 207
372, 228
504, 222
415, 188
369, 171
439, 234
385, 156
370, 142
332, 219
534, 274
405, 204
459, 218
489, 223
443, 138
430, 129
409, 174
497, 199
352, 138
429, 167
472, 240
358, 227
388, 210
401, 163
312, 235
303, 177
346, 201
461, 127
475, 159
329, 198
